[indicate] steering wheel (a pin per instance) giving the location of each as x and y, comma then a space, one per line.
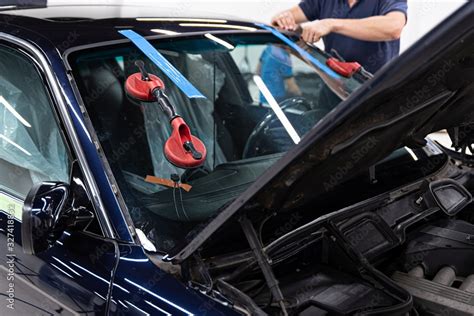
261, 141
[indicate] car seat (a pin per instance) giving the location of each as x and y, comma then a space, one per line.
118, 122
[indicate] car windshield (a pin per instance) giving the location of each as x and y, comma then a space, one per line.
262, 97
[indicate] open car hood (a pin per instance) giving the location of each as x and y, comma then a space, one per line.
427, 89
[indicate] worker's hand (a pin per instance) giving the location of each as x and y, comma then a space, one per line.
313, 31
285, 20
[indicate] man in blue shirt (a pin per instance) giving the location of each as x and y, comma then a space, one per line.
276, 70
366, 31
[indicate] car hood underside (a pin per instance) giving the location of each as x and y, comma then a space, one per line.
429, 88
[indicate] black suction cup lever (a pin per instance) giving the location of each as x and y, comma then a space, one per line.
141, 65
189, 147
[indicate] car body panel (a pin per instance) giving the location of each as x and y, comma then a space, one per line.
93, 32
65, 279
155, 291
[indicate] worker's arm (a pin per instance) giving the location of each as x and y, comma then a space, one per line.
289, 19
375, 29
292, 86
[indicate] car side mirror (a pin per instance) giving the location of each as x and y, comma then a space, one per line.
51, 208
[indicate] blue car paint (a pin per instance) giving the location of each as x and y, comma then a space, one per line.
56, 279
151, 289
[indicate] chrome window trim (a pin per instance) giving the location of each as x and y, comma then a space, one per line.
58, 98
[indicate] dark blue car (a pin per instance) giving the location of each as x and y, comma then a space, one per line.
153, 164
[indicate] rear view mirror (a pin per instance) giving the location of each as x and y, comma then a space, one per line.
50, 208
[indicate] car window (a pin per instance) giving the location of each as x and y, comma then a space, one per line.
32, 149
284, 73
244, 133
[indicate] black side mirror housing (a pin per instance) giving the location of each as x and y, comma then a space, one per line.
42, 207
50, 209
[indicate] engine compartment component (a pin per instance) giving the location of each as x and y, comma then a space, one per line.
435, 298
330, 291
405, 252
449, 195
324, 279
440, 263
446, 243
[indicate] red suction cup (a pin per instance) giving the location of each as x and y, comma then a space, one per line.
183, 149
142, 90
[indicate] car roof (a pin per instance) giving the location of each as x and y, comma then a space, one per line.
113, 9
71, 26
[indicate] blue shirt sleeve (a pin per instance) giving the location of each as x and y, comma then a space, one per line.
311, 8
387, 6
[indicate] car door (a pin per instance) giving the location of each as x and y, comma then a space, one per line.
74, 275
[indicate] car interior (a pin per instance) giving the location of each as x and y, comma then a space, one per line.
242, 135
133, 133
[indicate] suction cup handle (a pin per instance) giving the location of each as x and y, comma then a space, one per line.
165, 104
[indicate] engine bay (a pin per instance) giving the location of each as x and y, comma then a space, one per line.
406, 252
440, 262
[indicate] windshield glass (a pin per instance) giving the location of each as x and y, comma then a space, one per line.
262, 97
